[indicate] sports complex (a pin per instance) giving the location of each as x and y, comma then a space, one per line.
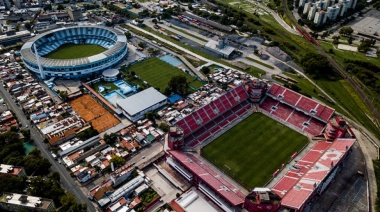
74, 52
252, 133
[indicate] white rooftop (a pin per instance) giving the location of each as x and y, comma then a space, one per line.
141, 101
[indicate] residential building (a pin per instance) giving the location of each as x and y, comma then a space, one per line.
332, 12
312, 12
18, 202
12, 170
320, 17
121, 174
302, 3
75, 13
307, 7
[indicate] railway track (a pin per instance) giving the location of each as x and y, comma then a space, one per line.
333, 63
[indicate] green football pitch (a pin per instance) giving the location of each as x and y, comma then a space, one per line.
158, 73
72, 51
254, 149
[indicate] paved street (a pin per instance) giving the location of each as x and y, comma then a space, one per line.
67, 182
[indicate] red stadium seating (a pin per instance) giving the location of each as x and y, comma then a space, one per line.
283, 111
297, 119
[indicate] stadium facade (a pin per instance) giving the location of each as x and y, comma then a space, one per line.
112, 40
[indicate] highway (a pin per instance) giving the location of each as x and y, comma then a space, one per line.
66, 180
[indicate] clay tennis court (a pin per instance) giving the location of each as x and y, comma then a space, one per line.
91, 111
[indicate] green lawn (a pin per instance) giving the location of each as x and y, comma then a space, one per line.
254, 149
158, 73
72, 51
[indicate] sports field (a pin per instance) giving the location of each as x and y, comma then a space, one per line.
72, 51
254, 149
91, 111
158, 73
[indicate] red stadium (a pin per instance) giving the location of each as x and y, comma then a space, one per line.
309, 176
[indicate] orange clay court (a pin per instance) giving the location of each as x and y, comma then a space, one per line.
91, 111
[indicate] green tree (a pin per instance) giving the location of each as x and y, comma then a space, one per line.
205, 70
28, 26
350, 39
335, 39
315, 64
60, 7
70, 204
142, 44
26, 134
63, 95
110, 138
178, 84
11, 183
164, 127
346, 31
117, 161
128, 35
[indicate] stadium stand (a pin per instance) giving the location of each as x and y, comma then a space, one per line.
312, 174
301, 103
205, 121
221, 192
299, 111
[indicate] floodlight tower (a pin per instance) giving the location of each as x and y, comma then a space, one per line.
38, 62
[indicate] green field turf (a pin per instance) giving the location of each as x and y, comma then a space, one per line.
72, 51
158, 73
254, 149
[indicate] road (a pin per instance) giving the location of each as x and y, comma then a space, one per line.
181, 48
66, 180
175, 32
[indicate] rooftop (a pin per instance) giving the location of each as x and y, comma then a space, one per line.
216, 182
300, 182
10, 169
141, 101
25, 200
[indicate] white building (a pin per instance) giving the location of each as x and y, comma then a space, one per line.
307, 7
332, 12
136, 106
312, 12
320, 17
302, 3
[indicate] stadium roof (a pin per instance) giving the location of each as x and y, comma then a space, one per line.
110, 72
29, 55
216, 182
226, 50
141, 101
300, 182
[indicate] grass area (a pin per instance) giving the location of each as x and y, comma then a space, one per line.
112, 86
256, 72
195, 61
254, 149
259, 62
376, 167
158, 73
187, 33
72, 51
340, 55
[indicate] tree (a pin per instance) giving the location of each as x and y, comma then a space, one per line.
48, 7
141, 44
117, 161
365, 44
26, 134
178, 84
128, 35
335, 39
11, 183
110, 138
164, 127
60, 7
205, 70
315, 64
63, 95
70, 204
346, 31
190, 6
350, 39
28, 25
155, 21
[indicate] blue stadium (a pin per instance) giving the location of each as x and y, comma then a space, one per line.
112, 40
